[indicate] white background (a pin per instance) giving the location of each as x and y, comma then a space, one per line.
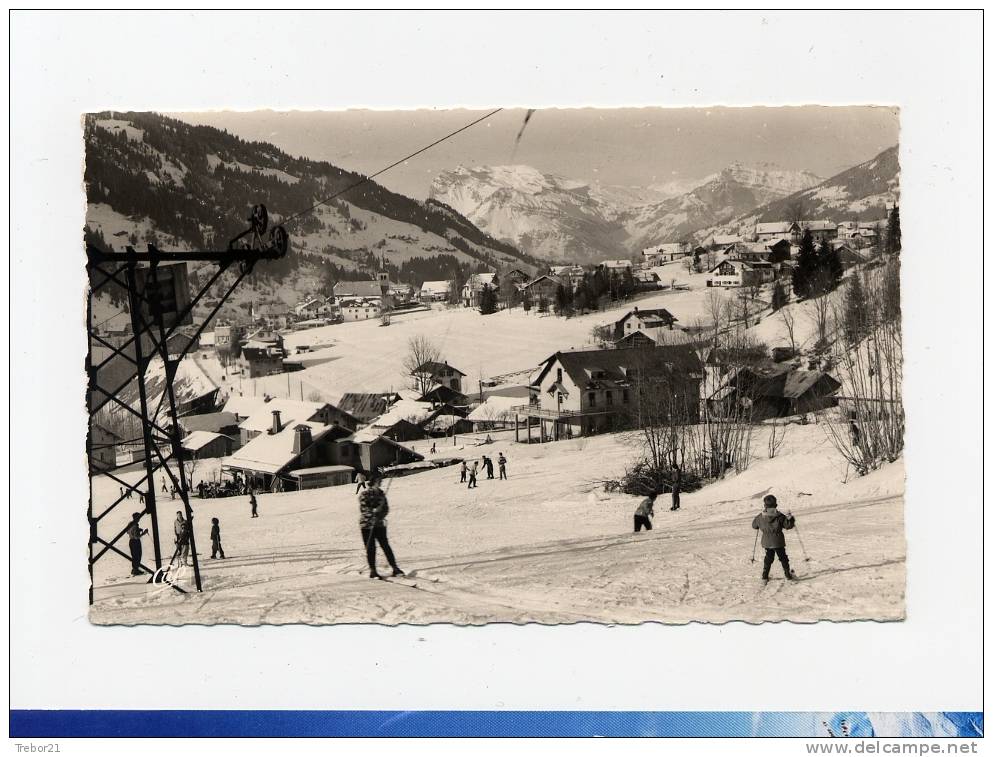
927, 64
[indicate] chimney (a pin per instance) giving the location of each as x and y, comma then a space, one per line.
301, 438
277, 426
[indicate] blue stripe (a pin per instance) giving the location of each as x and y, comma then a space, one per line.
316, 723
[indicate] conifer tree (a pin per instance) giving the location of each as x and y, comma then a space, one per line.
806, 266
893, 232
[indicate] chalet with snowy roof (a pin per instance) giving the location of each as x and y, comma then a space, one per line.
364, 406
312, 308
646, 279
369, 450
434, 291
666, 252
822, 230
443, 395
269, 457
216, 423
359, 308
266, 414
440, 373
543, 288
646, 321
260, 359
777, 230
519, 277
618, 266
591, 391
723, 241
733, 273
200, 445
774, 392
473, 288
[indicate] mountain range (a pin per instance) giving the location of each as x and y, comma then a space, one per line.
557, 219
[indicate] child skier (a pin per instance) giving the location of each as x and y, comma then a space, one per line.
135, 532
472, 474
465, 472
772, 523
182, 528
373, 509
255, 505
359, 481
502, 462
677, 481
645, 512
215, 539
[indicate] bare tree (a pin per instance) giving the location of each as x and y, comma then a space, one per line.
420, 350
789, 320
715, 307
821, 305
602, 336
869, 429
777, 435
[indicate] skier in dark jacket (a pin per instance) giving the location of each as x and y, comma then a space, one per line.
645, 512
502, 463
464, 471
373, 509
772, 523
255, 505
135, 532
215, 539
488, 464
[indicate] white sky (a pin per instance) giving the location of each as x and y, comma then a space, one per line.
623, 146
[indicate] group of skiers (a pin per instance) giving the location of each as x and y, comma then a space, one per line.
470, 473
770, 523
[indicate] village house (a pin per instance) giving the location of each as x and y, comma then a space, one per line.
359, 309
227, 335
257, 415
103, 448
268, 458
260, 359
473, 288
435, 291
767, 232
774, 392
733, 273
543, 289
723, 241
666, 252
617, 266
364, 406
519, 277
215, 423
585, 392
822, 230
315, 307
646, 280
362, 299
442, 374
571, 273
649, 322
200, 445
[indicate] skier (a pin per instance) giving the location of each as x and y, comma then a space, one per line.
182, 528
215, 539
373, 509
676, 485
434, 448
164, 490
464, 471
502, 462
645, 512
135, 532
472, 474
122, 492
255, 505
488, 464
359, 481
772, 523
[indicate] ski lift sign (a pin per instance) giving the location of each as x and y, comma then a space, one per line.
169, 288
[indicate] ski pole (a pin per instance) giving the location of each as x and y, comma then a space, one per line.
799, 539
755, 545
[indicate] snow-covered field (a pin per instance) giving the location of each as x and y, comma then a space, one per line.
545, 546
